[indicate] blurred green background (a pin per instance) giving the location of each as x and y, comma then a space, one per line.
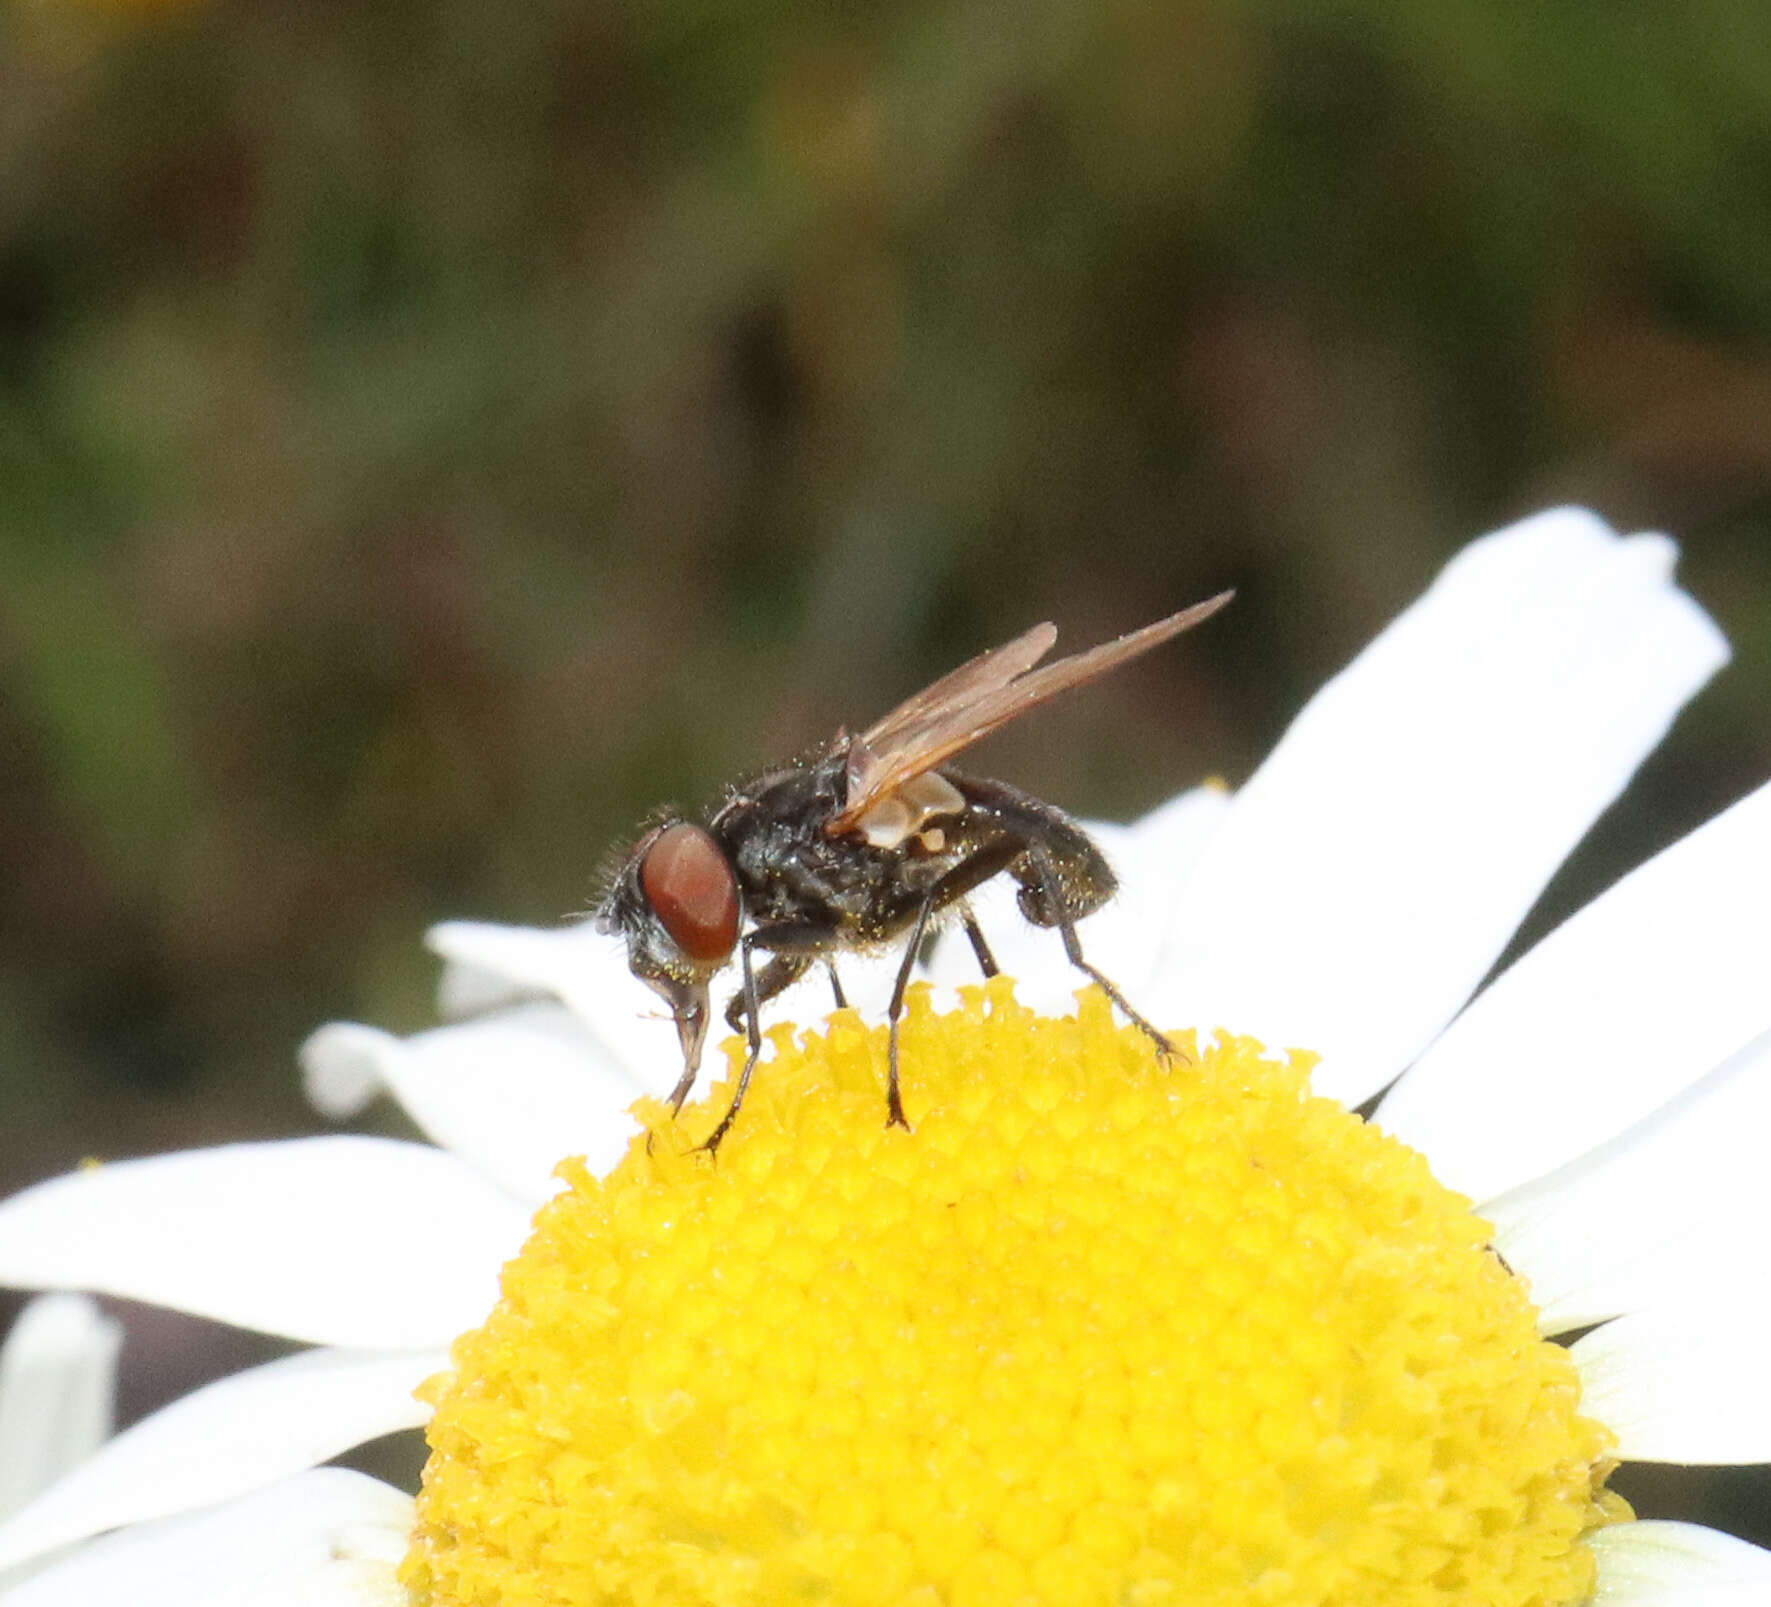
431, 434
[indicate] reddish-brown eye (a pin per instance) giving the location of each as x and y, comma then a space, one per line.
688, 881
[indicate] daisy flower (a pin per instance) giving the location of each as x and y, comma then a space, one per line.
1097, 1329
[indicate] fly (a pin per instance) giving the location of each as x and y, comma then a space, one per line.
864, 844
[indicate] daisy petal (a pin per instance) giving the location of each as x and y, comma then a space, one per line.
58, 1371
1153, 859
225, 1440
363, 1242
1655, 1564
336, 1582
345, 1075
224, 1554
1627, 1003
1662, 1217
486, 964
1377, 863
1676, 1388
510, 1093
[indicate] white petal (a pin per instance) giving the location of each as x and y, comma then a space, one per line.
1155, 858
511, 1093
1669, 1214
58, 1372
1377, 863
260, 1541
586, 970
354, 1241
1630, 1001
336, 1582
1654, 1564
341, 1072
1679, 1387
225, 1440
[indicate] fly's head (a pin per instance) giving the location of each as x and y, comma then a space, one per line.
674, 901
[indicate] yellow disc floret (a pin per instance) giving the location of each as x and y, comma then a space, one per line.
1098, 1330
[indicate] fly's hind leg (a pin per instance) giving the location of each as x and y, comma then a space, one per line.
1051, 887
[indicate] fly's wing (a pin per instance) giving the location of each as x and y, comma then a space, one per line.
978, 698
959, 689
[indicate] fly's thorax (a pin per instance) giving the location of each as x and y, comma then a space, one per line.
794, 872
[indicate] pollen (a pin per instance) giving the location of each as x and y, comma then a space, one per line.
1099, 1329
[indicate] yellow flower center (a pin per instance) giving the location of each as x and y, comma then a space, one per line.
1096, 1331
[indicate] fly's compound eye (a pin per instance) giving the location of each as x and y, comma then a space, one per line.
688, 881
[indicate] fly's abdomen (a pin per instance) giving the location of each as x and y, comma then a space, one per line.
1053, 854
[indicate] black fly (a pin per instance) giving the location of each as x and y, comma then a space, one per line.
867, 842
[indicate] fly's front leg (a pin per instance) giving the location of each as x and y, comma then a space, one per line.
752, 1032
1052, 888
894, 1105
792, 945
